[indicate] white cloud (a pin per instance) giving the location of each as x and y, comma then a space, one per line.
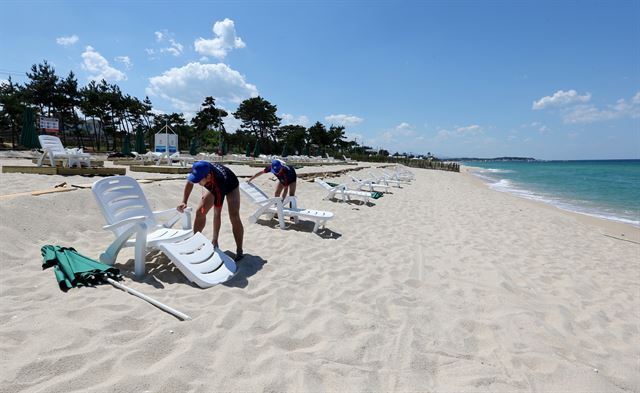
301, 120
344, 120
67, 41
469, 130
187, 86
224, 41
458, 132
636, 98
4, 82
399, 135
99, 68
163, 37
561, 98
590, 114
125, 60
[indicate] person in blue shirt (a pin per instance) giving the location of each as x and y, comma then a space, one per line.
219, 182
286, 178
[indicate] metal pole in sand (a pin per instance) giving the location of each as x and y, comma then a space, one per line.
150, 300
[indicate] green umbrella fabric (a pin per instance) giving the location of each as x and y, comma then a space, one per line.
140, 147
73, 269
306, 150
28, 137
126, 144
247, 152
193, 148
256, 149
284, 150
223, 149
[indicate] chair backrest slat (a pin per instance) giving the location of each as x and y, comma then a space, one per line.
119, 198
254, 193
52, 143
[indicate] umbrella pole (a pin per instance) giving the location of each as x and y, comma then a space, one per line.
150, 300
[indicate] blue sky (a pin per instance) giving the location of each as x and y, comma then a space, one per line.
550, 80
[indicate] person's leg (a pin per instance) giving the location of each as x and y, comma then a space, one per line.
292, 188
233, 203
206, 203
279, 188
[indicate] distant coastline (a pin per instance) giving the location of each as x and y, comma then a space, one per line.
496, 159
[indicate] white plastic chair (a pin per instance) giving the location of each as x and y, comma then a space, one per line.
386, 180
369, 184
276, 206
131, 219
53, 149
342, 190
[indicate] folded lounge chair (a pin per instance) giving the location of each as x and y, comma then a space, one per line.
369, 184
131, 219
276, 206
343, 191
53, 149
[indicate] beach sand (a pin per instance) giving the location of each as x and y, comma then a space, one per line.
443, 285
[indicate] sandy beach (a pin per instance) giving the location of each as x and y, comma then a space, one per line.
443, 285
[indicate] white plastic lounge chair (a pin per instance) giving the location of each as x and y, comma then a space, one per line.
53, 149
276, 206
384, 179
343, 191
369, 184
131, 219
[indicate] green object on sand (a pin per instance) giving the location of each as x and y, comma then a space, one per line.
126, 144
140, 147
374, 194
28, 137
73, 269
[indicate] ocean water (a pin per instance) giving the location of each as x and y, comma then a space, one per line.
607, 189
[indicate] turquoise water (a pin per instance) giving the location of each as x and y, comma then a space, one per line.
607, 189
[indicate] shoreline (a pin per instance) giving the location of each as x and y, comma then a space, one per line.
615, 225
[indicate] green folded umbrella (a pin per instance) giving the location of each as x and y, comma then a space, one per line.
126, 144
28, 137
140, 147
247, 152
285, 150
193, 148
73, 269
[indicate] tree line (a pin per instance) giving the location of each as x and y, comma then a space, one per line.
99, 115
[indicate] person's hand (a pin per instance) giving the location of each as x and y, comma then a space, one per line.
215, 244
181, 207
249, 181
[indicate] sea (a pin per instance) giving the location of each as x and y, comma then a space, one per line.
608, 189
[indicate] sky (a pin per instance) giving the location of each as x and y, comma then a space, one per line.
542, 79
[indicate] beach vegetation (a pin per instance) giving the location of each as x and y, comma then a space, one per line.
99, 115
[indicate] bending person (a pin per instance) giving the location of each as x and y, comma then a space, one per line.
286, 176
218, 181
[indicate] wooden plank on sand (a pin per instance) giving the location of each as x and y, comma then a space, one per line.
36, 193
92, 171
37, 170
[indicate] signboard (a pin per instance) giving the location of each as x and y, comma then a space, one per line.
49, 123
164, 140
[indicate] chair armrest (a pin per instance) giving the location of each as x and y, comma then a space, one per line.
126, 221
174, 216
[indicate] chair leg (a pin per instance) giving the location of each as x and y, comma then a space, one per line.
140, 250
